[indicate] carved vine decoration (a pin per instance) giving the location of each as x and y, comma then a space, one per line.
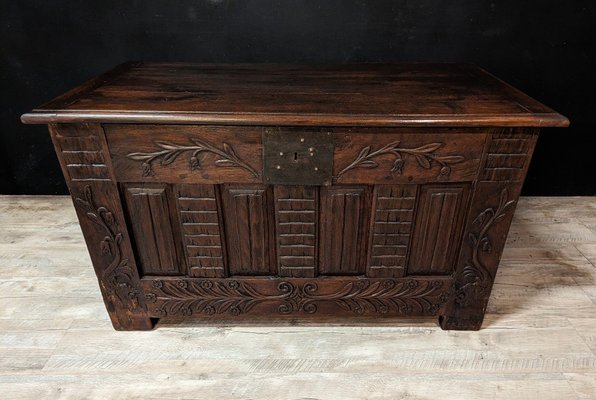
170, 151
424, 156
118, 278
183, 297
475, 279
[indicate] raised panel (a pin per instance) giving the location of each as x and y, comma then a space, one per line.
392, 222
344, 226
149, 216
202, 231
296, 216
437, 233
248, 215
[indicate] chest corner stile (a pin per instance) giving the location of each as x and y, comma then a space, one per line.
315, 213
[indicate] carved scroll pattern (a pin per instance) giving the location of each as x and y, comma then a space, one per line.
185, 297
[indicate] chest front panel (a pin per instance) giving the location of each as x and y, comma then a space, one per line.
199, 204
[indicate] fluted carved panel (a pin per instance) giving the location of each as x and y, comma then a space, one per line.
439, 224
345, 212
150, 218
249, 229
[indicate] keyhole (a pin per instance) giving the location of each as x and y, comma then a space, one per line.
295, 156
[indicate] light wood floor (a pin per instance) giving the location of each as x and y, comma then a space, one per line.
539, 339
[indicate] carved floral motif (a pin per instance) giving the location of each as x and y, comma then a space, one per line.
424, 156
186, 297
475, 279
118, 278
170, 151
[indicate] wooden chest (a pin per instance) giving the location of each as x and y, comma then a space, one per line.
276, 190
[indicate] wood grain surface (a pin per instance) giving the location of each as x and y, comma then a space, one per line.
538, 340
270, 94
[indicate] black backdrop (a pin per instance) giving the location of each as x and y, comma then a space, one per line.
545, 48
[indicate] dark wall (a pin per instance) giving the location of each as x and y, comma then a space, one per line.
545, 48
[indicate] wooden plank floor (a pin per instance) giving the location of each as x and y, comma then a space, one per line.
539, 339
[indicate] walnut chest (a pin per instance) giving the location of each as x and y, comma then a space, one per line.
288, 190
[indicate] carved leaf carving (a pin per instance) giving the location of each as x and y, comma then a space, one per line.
428, 148
475, 278
170, 157
224, 163
423, 161
364, 152
166, 145
230, 150
424, 156
118, 278
169, 152
139, 156
369, 164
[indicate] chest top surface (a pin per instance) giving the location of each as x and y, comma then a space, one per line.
273, 94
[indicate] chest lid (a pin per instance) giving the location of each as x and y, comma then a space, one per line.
273, 94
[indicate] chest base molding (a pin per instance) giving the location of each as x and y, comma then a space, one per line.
174, 297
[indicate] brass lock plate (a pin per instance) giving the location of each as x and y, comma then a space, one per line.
297, 157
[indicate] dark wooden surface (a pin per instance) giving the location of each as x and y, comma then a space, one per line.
269, 94
411, 220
